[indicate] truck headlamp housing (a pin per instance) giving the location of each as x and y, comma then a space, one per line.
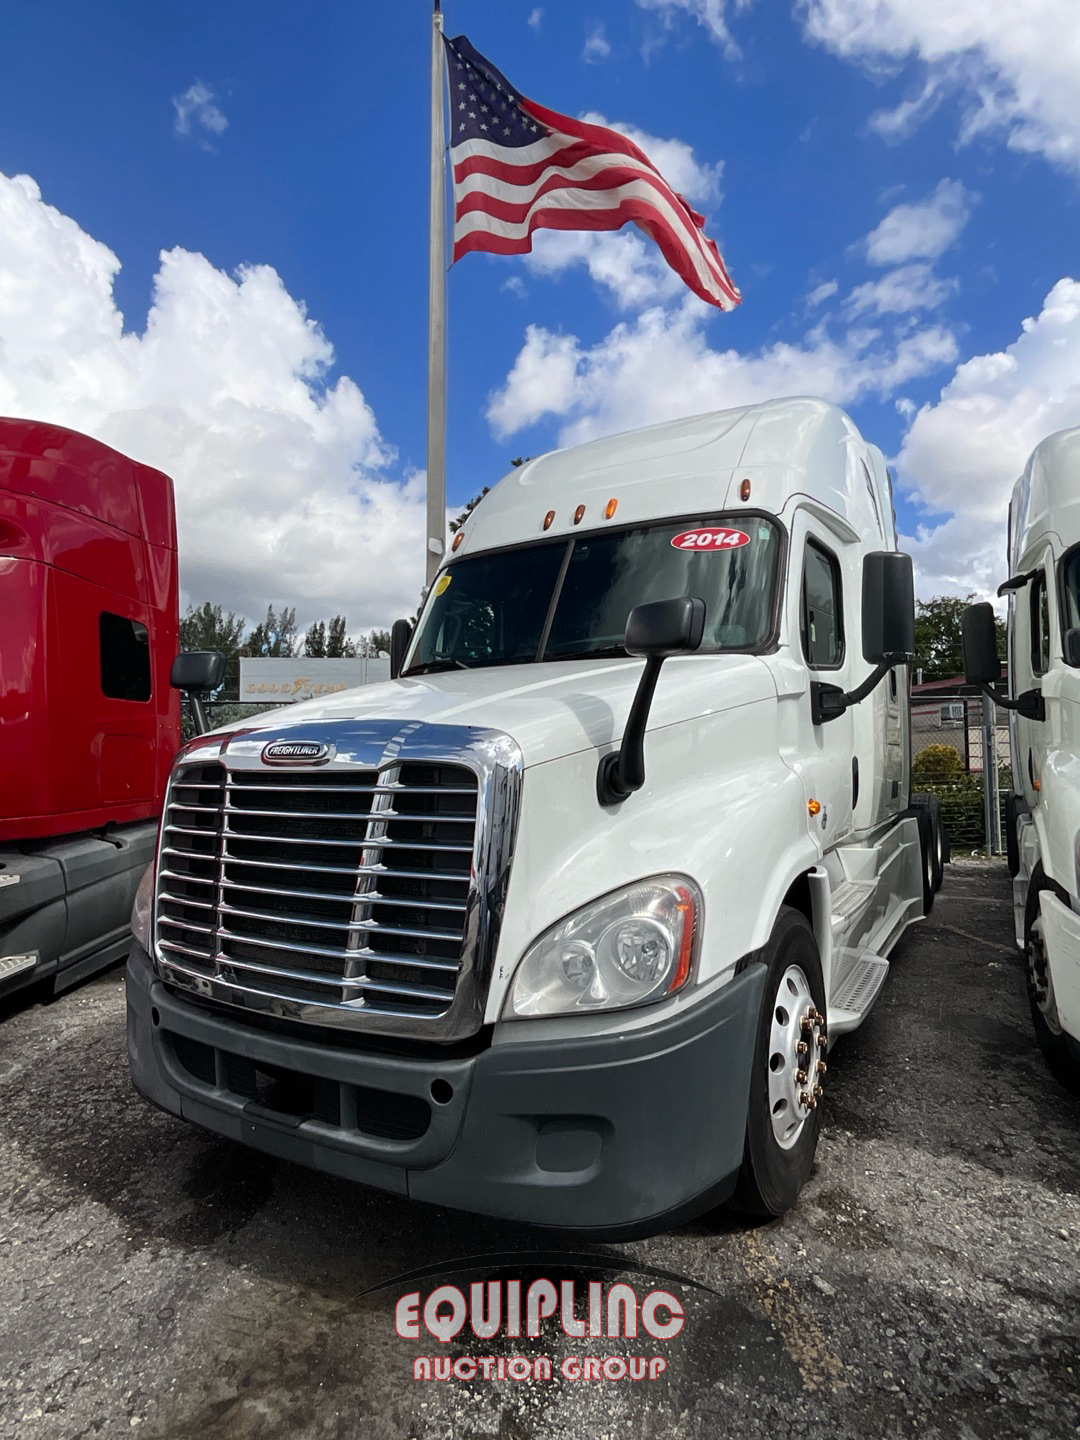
142, 911
633, 946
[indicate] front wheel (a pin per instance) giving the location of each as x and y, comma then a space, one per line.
783, 1114
1052, 1040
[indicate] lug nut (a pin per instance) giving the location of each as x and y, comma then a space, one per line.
802, 1048
821, 1067
822, 1040
818, 1092
800, 1077
805, 1100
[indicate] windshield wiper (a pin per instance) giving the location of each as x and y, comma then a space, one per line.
432, 667
605, 652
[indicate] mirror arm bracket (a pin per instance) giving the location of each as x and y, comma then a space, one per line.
828, 702
623, 771
1030, 705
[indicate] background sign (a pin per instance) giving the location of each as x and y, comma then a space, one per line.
263, 678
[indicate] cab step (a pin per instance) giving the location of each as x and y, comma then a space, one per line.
858, 986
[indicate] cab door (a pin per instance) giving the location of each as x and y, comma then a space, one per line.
1033, 640
823, 641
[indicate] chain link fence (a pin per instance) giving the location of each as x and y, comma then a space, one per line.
960, 751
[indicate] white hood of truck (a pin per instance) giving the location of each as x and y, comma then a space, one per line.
551, 710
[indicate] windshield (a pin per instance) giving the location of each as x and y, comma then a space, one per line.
565, 599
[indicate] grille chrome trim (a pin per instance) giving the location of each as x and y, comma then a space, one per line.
417, 943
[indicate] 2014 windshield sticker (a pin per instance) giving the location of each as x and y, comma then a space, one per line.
710, 539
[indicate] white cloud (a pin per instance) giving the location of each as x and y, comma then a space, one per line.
923, 230
1016, 63
820, 293
962, 454
536, 18
711, 14
632, 269
282, 479
660, 366
515, 285
197, 107
901, 291
597, 45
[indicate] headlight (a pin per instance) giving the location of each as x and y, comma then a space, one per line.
142, 911
635, 945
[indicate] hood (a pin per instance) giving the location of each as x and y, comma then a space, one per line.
550, 710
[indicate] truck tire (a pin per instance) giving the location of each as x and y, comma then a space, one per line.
1058, 1053
783, 1111
931, 845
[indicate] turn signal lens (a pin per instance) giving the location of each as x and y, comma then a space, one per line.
612, 506
814, 806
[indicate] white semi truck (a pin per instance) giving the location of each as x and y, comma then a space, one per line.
557, 925
1042, 814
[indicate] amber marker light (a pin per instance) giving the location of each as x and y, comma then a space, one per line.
612, 506
458, 538
744, 490
579, 514
549, 519
687, 909
814, 806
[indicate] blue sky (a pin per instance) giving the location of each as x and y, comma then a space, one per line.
894, 188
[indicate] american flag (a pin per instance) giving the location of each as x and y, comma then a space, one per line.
519, 167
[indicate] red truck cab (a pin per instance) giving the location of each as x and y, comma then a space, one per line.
88, 721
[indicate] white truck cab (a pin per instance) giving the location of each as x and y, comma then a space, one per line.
537, 929
1042, 815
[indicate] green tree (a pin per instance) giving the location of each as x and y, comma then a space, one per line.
328, 640
376, 641
470, 507
939, 651
276, 635
209, 627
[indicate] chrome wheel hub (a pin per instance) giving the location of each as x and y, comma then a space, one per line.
1040, 984
797, 1046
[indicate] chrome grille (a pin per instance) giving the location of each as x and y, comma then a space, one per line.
346, 888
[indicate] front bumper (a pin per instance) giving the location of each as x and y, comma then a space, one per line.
614, 1133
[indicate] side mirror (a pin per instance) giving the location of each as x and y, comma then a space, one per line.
979, 634
197, 672
888, 608
666, 627
400, 635
657, 631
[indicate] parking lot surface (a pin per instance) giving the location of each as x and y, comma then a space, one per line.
155, 1280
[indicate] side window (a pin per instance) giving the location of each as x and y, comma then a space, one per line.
125, 658
1040, 626
822, 620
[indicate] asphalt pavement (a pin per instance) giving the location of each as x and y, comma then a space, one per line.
156, 1280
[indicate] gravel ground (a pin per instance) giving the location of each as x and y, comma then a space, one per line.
157, 1280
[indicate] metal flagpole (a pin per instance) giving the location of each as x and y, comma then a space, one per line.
436, 461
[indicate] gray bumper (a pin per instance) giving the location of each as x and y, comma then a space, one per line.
606, 1133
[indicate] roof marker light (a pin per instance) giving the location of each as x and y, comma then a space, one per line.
612, 506
458, 538
579, 514
744, 490
549, 519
